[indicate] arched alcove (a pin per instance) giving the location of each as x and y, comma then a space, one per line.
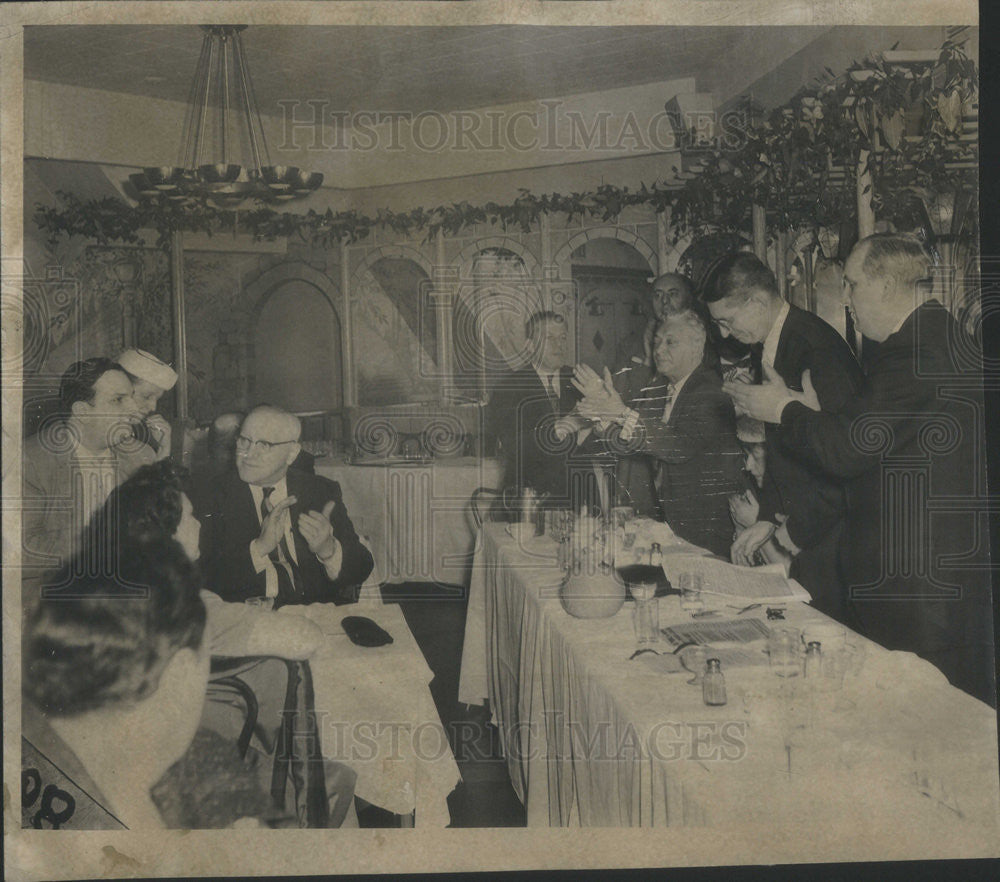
297, 360
611, 282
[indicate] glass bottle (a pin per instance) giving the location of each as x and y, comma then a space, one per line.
814, 660
655, 555
713, 684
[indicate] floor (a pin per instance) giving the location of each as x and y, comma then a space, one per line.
485, 798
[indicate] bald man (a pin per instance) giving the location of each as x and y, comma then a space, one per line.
670, 294
272, 531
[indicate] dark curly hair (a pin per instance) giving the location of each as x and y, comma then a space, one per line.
101, 638
145, 508
79, 379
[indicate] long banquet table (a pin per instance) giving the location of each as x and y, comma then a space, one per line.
595, 739
416, 515
375, 712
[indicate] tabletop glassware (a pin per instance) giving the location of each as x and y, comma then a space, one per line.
690, 588
263, 604
784, 646
693, 658
645, 612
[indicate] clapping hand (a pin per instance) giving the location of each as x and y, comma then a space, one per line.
601, 401
274, 525
317, 530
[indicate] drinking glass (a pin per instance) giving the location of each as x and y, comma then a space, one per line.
693, 658
690, 586
645, 612
784, 646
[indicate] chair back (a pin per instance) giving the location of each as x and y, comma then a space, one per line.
482, 501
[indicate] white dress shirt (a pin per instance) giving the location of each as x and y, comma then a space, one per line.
773, 336
262, 563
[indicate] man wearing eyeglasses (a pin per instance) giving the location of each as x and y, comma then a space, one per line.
273, 531
801, 508
910, 453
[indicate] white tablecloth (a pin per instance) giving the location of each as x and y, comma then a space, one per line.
417, 517
897, 757
375, 713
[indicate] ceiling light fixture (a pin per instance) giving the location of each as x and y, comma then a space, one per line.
222, 124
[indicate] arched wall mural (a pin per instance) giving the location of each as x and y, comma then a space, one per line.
296, 358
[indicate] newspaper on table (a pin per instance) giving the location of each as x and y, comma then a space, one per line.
767, 584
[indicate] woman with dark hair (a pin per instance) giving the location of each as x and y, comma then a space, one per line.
114, 677
152, 505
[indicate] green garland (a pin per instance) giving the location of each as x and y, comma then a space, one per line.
800, 163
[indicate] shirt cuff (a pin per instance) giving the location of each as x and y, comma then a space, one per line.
785, 541
630, 422
333, 563
262, 564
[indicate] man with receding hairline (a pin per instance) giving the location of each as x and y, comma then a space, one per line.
801, 508
909, 452
273, 531
683, 424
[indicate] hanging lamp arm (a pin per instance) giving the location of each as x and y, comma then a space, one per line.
195, 112
250, 106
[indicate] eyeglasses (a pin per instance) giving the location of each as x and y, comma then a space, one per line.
726, 324
245, 445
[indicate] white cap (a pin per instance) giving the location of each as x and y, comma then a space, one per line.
148, 367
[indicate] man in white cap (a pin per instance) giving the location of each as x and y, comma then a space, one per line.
150, 379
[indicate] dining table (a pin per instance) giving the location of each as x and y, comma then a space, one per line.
894, 762
416, 513
375, 711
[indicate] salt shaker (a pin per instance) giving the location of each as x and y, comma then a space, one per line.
713, 684
655, 555
814, 660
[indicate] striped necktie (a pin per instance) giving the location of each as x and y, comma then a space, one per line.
289, 581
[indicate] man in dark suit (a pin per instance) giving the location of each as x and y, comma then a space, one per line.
801, 507
669, 293
272, 531
526, 415
683, 422
909, 451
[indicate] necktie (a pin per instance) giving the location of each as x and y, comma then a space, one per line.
668, 403
661, 470
289, 582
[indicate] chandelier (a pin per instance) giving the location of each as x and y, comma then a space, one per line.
222, 124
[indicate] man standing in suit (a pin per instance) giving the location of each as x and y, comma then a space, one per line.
910, 454
272, 531
683, 422
801, 507
524, 413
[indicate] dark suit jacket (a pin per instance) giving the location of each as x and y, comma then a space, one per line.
700, 456
793, 485
909, 453
231, 523
520, 417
